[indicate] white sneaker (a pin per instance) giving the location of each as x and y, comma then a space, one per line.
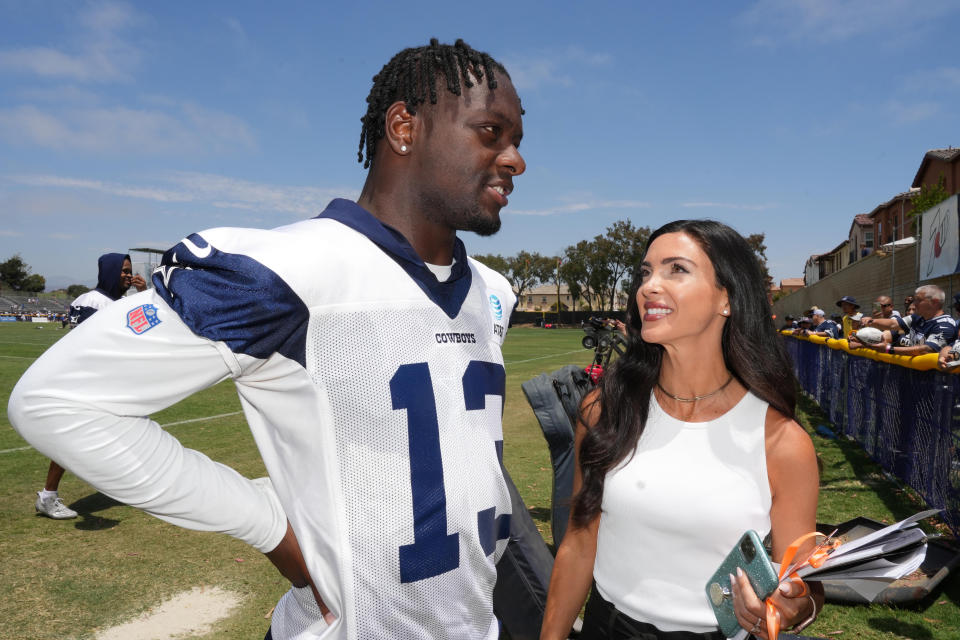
54, 508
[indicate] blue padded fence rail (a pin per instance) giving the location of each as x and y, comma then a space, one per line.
908, 421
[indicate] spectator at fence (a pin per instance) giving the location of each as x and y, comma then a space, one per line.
856, 321
906, 304
883, 308
948, 354
926, 331
849, 306
904, 339
824, 327
951, 352
803, 326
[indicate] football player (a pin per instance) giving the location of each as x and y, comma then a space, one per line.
387, 508
114, 277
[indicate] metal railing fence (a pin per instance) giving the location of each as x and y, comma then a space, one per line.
908, 421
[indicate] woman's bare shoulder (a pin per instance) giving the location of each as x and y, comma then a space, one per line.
787, 441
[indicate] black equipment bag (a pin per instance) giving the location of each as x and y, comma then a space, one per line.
555, 398
523, 574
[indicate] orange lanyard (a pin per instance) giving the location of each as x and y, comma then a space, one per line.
789, 568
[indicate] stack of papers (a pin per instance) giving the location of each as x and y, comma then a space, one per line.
869, 564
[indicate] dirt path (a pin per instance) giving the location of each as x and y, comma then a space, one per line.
193, 612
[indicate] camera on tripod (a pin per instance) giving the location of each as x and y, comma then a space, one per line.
603, 337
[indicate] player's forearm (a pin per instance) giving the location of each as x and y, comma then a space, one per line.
79, 404
136, 462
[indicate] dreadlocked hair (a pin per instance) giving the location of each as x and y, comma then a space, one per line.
411, 76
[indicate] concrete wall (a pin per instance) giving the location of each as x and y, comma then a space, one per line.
865, 280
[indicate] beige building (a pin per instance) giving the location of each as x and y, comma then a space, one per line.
544, 298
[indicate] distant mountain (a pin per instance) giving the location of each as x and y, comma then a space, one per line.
62, 282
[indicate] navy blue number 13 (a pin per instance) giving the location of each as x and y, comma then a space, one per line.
433, 550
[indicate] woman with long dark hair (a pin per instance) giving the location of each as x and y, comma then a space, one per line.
689, 441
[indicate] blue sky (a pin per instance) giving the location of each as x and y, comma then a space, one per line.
125, 125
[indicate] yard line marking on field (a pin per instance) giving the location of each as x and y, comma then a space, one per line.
220, 415
552, 355
21, 357
164, 426
17, 449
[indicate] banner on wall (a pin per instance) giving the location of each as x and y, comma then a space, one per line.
940, 240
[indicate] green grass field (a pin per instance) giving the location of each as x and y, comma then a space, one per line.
68, 579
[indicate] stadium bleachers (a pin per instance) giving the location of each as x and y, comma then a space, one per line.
10, 303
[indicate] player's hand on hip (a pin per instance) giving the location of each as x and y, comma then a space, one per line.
288, 559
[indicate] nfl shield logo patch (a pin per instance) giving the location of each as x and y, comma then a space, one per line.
143, 318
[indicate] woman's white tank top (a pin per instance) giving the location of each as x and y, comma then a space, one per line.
672, 513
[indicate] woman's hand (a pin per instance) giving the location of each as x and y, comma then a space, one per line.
791, 599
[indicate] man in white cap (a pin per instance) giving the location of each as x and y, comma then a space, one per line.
823, 326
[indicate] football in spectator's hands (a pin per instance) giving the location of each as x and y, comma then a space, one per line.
869, 335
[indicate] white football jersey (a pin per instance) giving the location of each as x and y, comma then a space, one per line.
373, 391
87, 304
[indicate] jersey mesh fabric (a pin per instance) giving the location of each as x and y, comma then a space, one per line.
295, 613
365, 352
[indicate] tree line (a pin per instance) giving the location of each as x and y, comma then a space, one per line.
593, 270
596, 270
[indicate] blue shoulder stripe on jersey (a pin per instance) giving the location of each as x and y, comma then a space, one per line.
448, 295
79, 314
234, 299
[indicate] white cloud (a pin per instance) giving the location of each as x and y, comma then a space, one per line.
576, 207
837, 20
113, 189
216, 191
914, 112
256, 196
124, 129
933, 79
60, 95
239, 33
728, 205
100, 53
107, 17
552, 67
6, 233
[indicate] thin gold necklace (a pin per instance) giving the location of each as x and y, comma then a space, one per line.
695, 398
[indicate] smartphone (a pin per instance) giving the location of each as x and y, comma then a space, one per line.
751, 557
